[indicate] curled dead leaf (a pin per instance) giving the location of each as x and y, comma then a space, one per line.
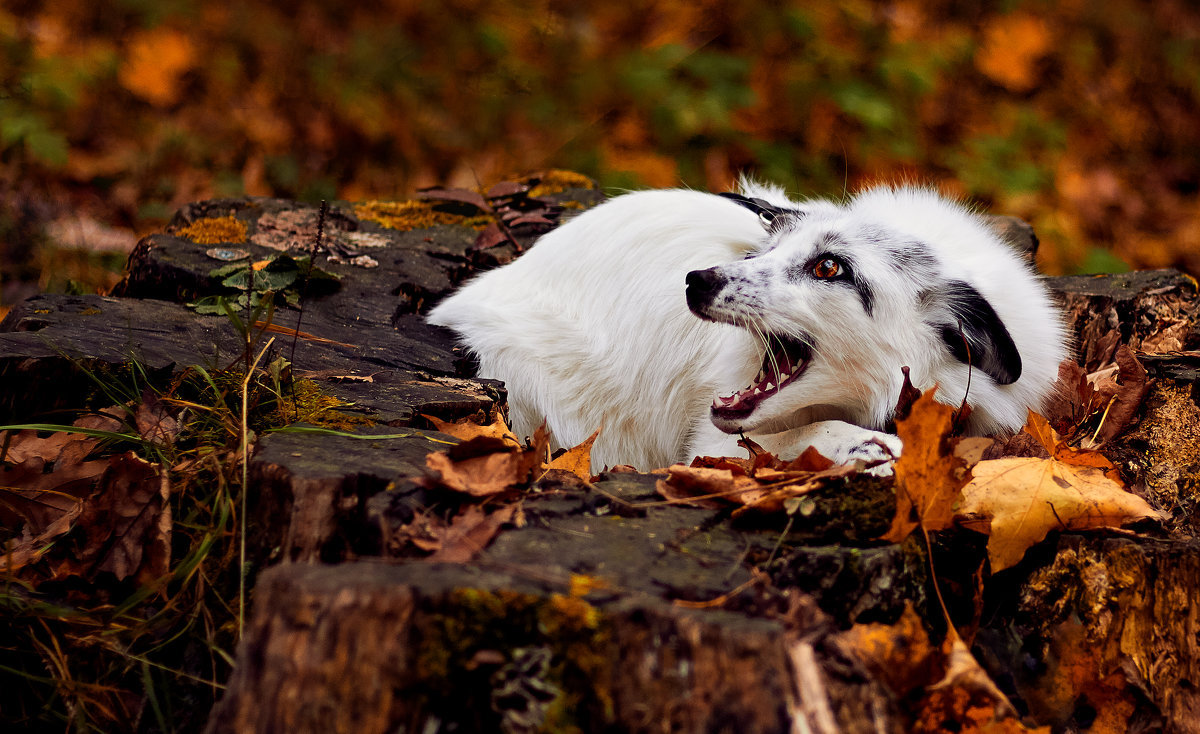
468, 428
578, 459
487, 465
716, 483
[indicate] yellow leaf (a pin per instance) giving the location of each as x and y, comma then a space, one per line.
1018, 500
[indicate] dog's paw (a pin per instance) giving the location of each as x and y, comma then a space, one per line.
846, 443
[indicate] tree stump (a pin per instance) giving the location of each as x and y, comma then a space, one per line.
598, 607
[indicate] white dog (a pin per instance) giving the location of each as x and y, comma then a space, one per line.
676, 320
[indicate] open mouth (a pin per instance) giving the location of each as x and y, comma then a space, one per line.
784, 361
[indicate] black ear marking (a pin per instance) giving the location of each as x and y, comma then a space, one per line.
765, 210
979, 338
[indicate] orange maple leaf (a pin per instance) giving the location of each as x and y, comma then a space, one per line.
929, 477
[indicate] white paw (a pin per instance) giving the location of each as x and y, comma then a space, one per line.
845, 443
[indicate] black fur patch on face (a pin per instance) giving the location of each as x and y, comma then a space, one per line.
979, 338
832, 245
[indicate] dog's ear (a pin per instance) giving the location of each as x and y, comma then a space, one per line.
766, 211
979, 338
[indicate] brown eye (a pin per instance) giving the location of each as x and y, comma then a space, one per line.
827, 268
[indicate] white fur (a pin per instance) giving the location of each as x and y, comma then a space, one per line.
591, 327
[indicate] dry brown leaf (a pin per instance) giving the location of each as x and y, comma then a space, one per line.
24, 445
123, 521
467, 429
577, 460
1072, 400
719, 482
1017, 501
1131, 390
929, 477
964, 671
708, 487
29, 548
469, 533
966, 698
155, 419
487, 465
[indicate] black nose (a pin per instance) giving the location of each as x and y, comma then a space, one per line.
702, 286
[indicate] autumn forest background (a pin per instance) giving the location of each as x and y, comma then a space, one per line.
1081, 117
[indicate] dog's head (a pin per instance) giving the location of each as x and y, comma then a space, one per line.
841, 299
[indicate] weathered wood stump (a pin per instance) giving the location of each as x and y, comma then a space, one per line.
600, 608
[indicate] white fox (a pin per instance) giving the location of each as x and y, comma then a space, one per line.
676, 320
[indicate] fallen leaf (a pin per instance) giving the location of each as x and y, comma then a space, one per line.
929, 477
966, 698
1017, 501
1169, 335
716, 483
487, 465
467, 428
709, 487
155, 419
473, 201
577, 460
122, 520
899, 655
1072, 400
155, 63
469, 533
964, 671
1039, 428
1132, 388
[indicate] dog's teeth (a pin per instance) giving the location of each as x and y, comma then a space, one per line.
769, 386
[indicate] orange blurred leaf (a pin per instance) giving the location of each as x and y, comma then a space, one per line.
155, 63
1012, 46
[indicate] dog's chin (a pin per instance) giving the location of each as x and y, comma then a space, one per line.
772, 419
769, 421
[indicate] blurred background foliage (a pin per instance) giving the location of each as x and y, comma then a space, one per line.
1082, 117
